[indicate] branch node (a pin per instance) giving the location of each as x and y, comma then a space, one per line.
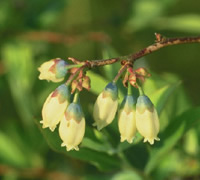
160, 38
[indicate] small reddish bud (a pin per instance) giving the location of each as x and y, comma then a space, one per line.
73, 70
132, 80
125, 80
86, 82
142, 72
76, 84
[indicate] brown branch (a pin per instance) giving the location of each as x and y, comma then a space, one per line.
103, 62
161, 42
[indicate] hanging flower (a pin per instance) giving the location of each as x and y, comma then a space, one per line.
53, 70
126, 120
72, 127
55, 106
105, 106
147, 121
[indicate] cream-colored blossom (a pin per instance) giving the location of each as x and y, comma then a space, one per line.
55, 106
147, 121
126, 119
72, 127
53, 70
105, 107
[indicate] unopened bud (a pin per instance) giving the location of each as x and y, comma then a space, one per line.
53, 70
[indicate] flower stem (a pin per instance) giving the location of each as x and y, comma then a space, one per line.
129, 89
73, 66
76, 97
141, 91
120, 72
73, 76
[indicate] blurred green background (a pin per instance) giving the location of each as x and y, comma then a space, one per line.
34, 31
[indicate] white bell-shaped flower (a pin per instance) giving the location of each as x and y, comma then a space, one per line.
147, 121
72, 127
126, 119
105, 106
55, 106
53, 70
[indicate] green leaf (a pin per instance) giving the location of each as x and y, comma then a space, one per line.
18, 60
185, 23
10, 153
100, 147
171, 135
177, 162
101, 160
98, 82
127, 175
191, 144
145, 13
160, 96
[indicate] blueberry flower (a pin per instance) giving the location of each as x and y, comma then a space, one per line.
147, 122
55, 106
53, 70
105, 106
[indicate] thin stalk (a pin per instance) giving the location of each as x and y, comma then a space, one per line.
141, 91
74, 75
76, 97
129, 89
73, 66
120, 72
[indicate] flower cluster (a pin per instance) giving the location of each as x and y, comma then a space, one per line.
133, 116
58, 108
